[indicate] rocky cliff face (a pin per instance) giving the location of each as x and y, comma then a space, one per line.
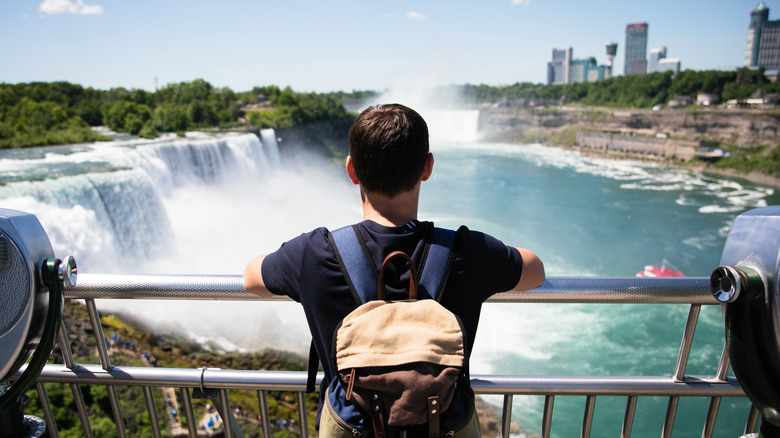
739, 127
328, 138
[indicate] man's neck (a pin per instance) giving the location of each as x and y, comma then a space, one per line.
391, 212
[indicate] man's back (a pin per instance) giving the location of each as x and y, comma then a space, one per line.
479, 269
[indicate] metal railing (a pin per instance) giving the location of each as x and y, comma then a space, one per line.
214, 383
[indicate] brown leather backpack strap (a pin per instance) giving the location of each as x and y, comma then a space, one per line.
380, 284
434, 410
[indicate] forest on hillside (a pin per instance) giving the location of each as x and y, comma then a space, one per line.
43, 113
50, 113
635, 91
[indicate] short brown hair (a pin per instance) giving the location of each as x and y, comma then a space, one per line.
389, 145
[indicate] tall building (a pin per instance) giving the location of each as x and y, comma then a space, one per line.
636, 49
558, 67
769, 49
763, 40
758, 17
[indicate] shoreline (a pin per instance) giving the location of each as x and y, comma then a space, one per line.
753, 177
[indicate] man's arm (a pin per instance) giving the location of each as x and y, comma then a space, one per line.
533, 271
253, 278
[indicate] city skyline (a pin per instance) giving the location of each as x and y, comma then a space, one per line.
345, 45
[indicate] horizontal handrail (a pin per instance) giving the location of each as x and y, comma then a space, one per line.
562, 289
294, 381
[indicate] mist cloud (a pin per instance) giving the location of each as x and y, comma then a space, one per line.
56, 7
414, 15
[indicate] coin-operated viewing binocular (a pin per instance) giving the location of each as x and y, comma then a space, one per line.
747, 285
31, 299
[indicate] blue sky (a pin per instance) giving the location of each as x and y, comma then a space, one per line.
330, 45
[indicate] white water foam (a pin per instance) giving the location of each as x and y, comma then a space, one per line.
653, 177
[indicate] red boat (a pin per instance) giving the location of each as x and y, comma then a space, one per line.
665, 269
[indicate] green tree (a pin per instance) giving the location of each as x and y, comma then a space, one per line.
122, 112
170, 118
200, 113
133, 124
36, 115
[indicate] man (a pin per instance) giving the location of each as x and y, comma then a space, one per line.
389, 158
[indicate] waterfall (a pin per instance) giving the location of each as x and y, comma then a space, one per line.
458, 126
105, 201
270, 146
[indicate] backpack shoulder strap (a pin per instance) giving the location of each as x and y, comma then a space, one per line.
359, 272
437, 263
356, 263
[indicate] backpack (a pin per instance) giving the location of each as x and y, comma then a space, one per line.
398, 362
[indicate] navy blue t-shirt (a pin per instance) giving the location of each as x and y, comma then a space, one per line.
306, 269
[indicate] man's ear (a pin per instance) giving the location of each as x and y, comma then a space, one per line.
428, 169
351, 170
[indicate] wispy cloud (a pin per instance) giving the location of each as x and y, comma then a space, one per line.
56, 7
521, 2
414, 15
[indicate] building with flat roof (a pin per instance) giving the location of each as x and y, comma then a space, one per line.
658, 62
668, 64
636, 49
763, 40
656, 55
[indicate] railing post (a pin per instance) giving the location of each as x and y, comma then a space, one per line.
152, 410
48, 415
192, 424
628, 418
712, 412
723, 365
262, 400
78, 397
671, 414
105, 362
587, 420
506, 416
97, 329
712, 415
687, 342
549, 401
232, 430
752, 421
303, 421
